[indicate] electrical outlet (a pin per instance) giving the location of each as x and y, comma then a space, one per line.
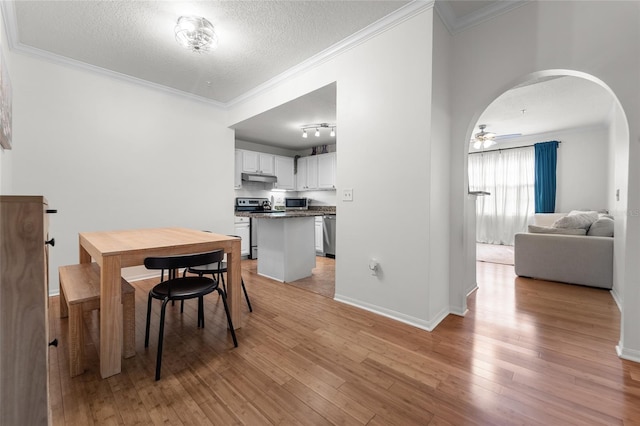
347, 195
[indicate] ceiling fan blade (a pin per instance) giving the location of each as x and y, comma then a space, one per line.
508, 136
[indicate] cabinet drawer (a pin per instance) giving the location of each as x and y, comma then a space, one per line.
242, 219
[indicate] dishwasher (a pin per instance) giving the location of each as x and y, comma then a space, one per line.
329, 235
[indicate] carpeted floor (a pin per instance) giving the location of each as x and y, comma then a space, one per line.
493, 253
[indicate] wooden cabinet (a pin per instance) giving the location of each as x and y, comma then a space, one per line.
284, 172
24, 337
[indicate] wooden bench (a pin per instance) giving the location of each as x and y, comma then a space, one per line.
79, 293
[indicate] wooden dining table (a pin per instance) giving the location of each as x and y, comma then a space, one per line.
114, 250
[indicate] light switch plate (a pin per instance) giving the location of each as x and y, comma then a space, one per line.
347, 195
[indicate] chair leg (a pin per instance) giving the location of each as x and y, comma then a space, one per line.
246, 295
226, 310
161, 338
244, 289
146, 332
221, 278
200, 312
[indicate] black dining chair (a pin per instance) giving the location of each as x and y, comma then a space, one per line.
216, 270
183, 288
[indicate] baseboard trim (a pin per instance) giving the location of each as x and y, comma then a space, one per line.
389, 313
628, 354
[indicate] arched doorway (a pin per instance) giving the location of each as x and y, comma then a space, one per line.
617, 177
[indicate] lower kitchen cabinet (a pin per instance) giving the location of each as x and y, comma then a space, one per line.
243, 230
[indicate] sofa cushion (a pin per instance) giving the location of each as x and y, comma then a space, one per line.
603, 227
581, 220
534, 229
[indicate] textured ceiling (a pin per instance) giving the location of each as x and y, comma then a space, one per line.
258, 40
550, 105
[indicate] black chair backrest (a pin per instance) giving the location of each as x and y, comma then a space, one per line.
183, 261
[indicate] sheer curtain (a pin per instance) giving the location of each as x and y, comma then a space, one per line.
509, 176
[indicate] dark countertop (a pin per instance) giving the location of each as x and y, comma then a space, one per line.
274, 214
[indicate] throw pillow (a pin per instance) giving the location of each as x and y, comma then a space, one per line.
576, 221
602, 227
534, 229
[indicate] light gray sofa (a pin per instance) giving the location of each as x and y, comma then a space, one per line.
576, 259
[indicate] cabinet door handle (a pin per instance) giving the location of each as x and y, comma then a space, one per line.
51, 211
51, 242
54, 342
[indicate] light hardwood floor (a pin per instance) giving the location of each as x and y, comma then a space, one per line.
527, 352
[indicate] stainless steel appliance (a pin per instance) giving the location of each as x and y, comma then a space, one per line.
329, 235
255, 205
296, 203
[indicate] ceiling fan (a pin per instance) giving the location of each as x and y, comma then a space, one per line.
484, 139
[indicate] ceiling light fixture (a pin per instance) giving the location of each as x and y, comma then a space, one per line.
196, 34
317, 128
483, 139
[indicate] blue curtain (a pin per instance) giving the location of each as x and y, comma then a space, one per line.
545, 176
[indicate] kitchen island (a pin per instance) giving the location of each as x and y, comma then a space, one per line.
287, 243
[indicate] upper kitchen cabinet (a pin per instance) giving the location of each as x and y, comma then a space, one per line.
284, 173
237, 177
327, 171
258, 162
316, 172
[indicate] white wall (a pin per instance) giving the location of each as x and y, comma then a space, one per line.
439, 191
516, 46
583, 168
383, 103
5, 155
112, 155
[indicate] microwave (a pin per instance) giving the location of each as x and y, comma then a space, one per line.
296, 203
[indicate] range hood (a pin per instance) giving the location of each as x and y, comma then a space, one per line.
258, 177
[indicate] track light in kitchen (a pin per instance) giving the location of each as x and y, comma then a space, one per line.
317, 128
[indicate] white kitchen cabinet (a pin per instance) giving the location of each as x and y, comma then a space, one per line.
301, 174
316, 172
284, 172
319, 235
307, 177
257, 162
327, 171
238, 170
242, 230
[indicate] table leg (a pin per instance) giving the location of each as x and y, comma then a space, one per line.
234, 286
85, 257
110, 317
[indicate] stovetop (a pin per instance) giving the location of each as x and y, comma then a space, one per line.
249, 204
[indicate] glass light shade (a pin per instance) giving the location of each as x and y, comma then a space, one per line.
317, 134
195, 33
333, 132
304, 133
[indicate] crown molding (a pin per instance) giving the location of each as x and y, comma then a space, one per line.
457, 25
406, 12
